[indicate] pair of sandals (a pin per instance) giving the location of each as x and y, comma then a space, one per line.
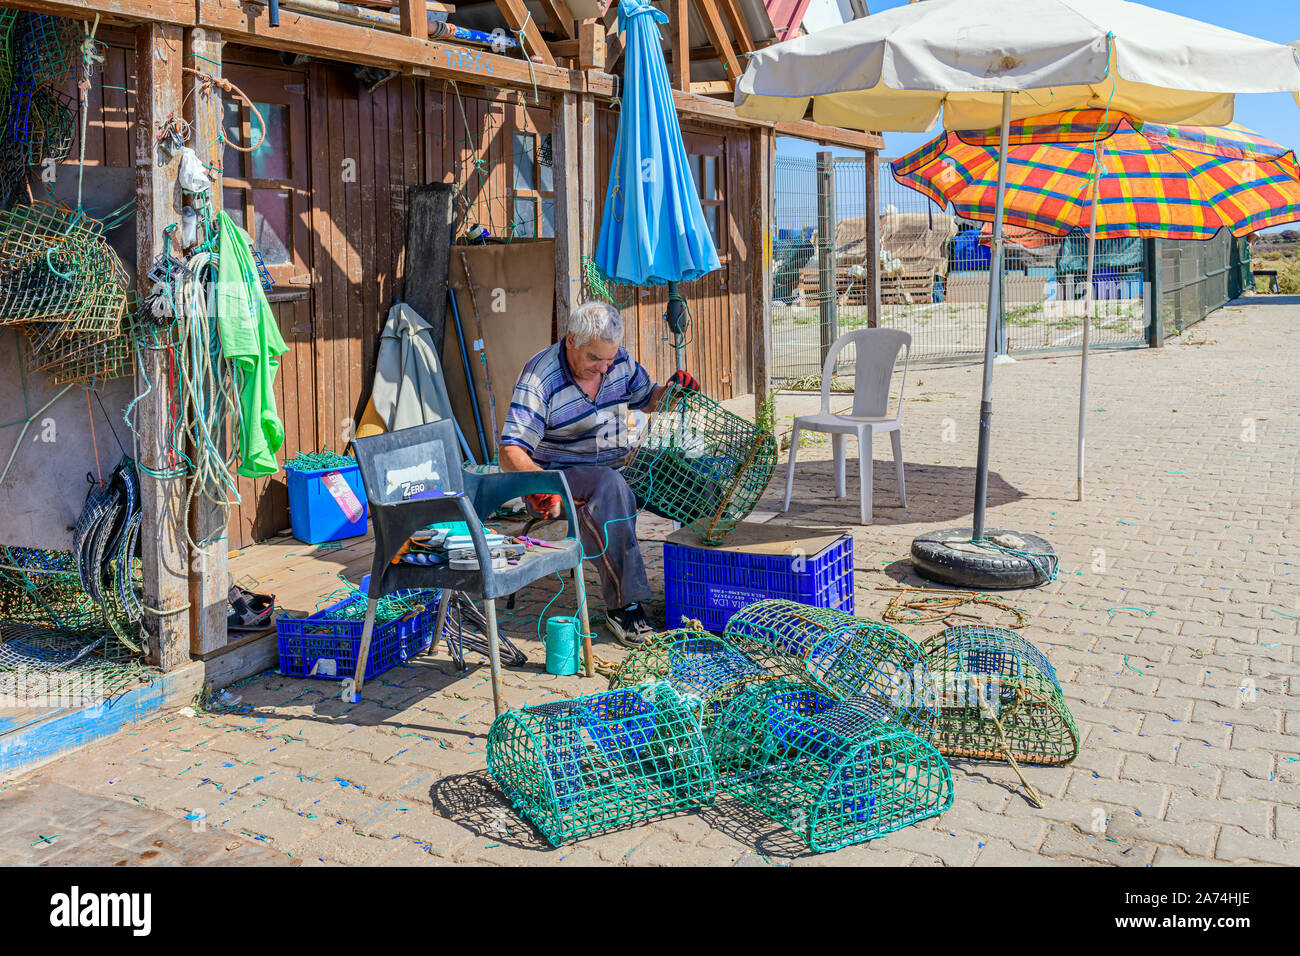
249, 612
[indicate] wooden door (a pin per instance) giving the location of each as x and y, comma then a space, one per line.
268, 193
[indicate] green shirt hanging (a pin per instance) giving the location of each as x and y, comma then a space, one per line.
250, 338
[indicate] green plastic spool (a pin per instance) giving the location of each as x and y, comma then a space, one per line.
699, 464
979, 671
579, 767
562, 646
834, 773
843, 656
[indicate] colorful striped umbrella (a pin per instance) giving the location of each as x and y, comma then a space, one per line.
1164, 182
1115, 176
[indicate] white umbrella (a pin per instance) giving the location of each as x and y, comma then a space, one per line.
983, 63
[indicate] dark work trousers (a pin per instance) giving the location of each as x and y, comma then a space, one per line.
607, 521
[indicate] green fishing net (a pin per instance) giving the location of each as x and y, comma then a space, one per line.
998, 693
833, 772
579, 767
699, 464
845, 657
704, 669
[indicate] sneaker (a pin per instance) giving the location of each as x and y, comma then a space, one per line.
629, 625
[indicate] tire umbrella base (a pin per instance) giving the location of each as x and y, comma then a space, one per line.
1000, 560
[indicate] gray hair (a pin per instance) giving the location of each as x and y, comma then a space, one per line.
596, 320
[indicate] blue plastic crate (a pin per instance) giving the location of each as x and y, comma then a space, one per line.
314, 515
711, 585
322, 636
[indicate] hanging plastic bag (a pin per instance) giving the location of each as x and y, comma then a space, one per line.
192, 176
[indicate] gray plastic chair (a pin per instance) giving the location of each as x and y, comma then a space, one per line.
414, 477
877, 354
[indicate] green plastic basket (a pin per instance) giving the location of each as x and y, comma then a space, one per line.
699, 464
845, 657
704, 669
834, 773
580, 767
981, 671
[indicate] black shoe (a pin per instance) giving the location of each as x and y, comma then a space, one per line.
629, 625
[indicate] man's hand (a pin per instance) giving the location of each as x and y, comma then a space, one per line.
549, 506
684, 379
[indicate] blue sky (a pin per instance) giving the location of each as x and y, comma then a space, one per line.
1276, 116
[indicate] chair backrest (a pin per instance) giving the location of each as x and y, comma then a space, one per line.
876, 355
405, 464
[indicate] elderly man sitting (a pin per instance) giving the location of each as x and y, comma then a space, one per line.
569, 411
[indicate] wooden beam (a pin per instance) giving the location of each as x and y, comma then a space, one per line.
587, 173
329, 39
209, 583
415, 18
568, 242
831, 135
679, 39
871, 210
519, 19
712, 87
739, 28
588, 49
558, 18
128, 12
717, 31
165, 554
762, 156
591, 45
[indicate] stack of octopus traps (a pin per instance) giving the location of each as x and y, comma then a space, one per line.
836, 727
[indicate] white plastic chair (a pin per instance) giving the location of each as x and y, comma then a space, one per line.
877, 354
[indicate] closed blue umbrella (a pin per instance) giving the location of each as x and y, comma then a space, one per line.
653, 231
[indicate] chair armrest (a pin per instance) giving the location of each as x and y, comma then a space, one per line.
493, 490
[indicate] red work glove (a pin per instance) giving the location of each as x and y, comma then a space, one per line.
548, 506
685, 380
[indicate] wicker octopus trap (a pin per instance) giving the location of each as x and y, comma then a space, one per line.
998, 697
843, 656
699, 464
834, 772
705, 670
580, 767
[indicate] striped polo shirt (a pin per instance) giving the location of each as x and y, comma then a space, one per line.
557, 423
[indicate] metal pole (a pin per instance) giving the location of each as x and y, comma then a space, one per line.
991, 326
828, 284
1088, 304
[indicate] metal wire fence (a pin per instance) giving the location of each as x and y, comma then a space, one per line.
934, 274
1198, 277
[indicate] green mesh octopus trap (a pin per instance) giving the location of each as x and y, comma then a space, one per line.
699, 464
844, 656
998, 696
833, 772
704, 669
580, 767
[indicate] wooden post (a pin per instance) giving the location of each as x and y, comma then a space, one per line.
679, 38
568, 197
871, 229
827, 280
587, 173
762, 155
159, 56
209, 577
415, 18
591, 45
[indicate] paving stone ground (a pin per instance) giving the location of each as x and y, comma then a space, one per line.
1173, 626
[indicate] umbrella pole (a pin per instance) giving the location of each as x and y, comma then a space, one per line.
1088, 305
995, 309
675, 324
